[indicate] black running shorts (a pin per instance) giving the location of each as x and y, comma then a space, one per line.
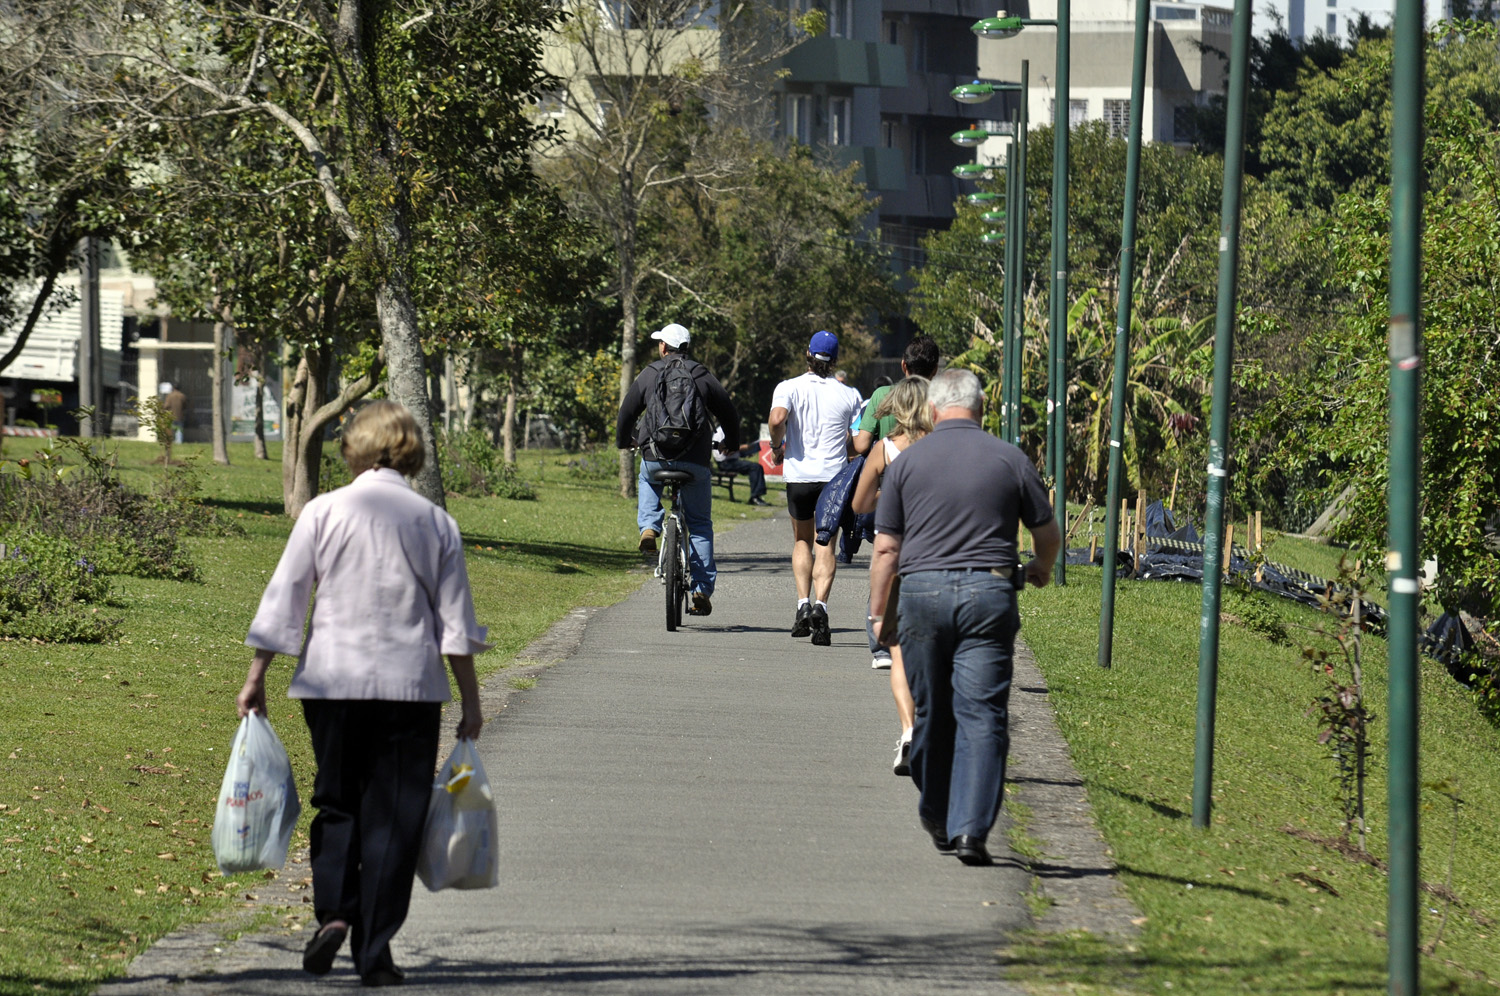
802, 498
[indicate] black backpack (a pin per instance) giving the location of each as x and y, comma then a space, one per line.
675, 416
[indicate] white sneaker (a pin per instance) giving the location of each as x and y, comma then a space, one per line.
902, 764
881, 662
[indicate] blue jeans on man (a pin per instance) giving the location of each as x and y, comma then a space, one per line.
695, 498
958, 632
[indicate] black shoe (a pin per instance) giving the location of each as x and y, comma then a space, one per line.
803, 624
758, 500
701, 605
322, 948
939, 835
819, 620
970, 850
385, 972
383, 976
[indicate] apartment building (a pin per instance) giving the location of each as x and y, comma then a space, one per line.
1186, 63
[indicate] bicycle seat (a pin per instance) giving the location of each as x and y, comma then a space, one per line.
671, 476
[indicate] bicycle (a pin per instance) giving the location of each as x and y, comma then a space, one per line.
672, 562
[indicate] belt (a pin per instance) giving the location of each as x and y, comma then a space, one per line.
999, 572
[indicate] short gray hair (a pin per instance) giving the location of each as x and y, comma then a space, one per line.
955, 388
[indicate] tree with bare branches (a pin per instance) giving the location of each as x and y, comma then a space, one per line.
648, 89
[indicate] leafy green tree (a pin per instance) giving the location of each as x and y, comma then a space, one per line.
390, 107
1332, 422
647, 91
758, 269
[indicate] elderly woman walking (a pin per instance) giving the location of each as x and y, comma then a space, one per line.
392, 597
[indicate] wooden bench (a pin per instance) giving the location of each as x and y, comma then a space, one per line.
726, 479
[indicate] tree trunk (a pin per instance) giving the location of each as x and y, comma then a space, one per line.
512, 388
407, 378
308, 411
302, 442
260, 401
220, 426
629, 318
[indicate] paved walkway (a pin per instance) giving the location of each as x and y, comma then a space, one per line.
706, 812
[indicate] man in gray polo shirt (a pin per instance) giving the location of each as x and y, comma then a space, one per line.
947, 521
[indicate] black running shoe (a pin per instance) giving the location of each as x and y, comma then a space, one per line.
803, 625
821, 637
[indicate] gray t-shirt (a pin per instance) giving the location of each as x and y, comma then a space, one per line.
956, 497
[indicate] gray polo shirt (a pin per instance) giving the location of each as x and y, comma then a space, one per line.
956, 496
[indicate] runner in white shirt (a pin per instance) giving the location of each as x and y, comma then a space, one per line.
810, 417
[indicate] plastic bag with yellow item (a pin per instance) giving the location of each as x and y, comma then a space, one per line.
458, 844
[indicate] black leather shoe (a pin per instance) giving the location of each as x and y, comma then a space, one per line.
758, 500
701, 605
803, 624
322, 948
818, 618
970, 850
939, 835
385, 972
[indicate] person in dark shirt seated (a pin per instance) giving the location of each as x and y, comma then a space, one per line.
739, 465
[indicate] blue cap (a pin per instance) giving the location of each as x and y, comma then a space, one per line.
824, 346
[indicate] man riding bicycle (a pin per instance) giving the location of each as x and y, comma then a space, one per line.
676, 395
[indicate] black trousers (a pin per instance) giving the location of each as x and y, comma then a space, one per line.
751, 469
375, 768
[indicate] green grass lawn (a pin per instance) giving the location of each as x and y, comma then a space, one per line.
111, 756
1247, 907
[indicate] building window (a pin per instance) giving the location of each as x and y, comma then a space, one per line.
1117, 117
602, 111
919, 50
1184, 123
892, 32
840, 113
1078, 112
550, 103
1333, 25
888, 133
796, 118
841, 18
918, 153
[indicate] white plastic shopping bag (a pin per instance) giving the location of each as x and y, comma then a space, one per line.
458, 843
258, 805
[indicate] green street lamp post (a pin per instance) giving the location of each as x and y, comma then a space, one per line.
1004, 26
1405, 492
1218, 442
1013, 237
1122, 335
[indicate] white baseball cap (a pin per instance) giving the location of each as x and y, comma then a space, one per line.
165, 387
673, 335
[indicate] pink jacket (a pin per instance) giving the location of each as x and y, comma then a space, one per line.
392, 595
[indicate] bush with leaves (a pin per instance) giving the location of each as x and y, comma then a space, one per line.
474, 466
51, 590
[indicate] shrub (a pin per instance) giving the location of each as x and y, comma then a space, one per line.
595, 465
473, 466
50, 590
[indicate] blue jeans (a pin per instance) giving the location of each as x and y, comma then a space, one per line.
958, 632
695, 498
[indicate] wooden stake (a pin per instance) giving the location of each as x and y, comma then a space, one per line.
1228, 547
1140, 530
1260, 567
1172, 501
1093, 547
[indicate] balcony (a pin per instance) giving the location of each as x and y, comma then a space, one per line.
846, 62
881, 169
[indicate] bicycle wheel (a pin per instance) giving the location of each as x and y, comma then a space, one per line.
673, 576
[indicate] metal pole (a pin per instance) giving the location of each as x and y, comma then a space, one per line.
1023, 124
1122, 335
1008, 421
90, 367
1405, 489
1218, 443
1059, 296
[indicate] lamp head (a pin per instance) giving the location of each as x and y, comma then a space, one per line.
972, 93
969, 137
970, 171
998, 27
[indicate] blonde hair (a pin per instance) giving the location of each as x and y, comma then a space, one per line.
907, 401
383, 434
